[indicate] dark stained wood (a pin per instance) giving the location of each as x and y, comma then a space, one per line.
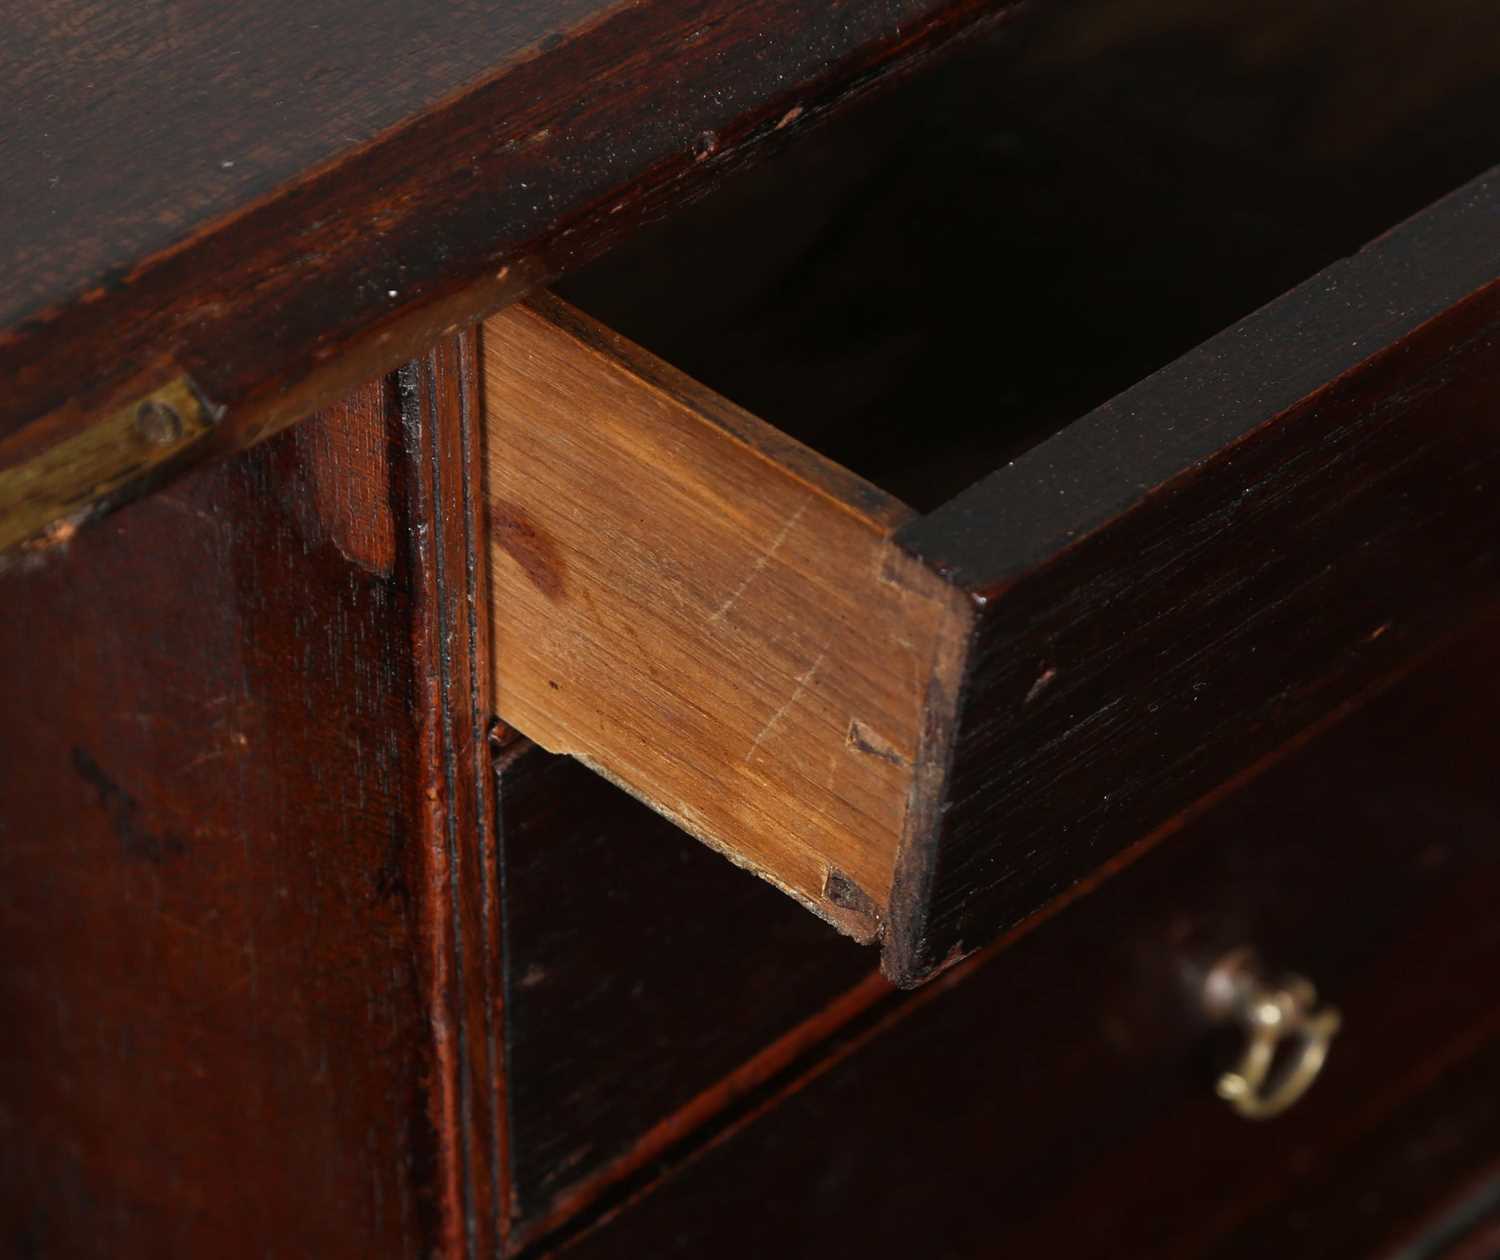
1467, 1228
452, 803
641, 971
395, 173
942, 279
1056, 1098
244, 1010
951, 272
1181, 581
260, 991
129, 129
1163, 594
1390, 1189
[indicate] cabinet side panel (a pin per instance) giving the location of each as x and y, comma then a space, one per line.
232, 787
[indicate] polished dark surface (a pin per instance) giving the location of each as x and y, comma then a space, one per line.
641, 971
1148, 635
235, 796
935, 282
1056, 1097
284, 202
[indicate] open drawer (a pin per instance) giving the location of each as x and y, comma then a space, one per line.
925, 727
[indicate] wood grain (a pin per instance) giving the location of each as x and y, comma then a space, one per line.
288, 202
649, 983
1071, 201
1057, 1097
451, 803
244, 854
1181, 581
705, 611
1146, 628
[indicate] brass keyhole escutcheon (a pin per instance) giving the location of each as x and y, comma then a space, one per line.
1287, 1036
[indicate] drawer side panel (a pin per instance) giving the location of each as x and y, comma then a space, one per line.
704, 611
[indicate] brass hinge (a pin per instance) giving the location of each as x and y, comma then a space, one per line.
67, 479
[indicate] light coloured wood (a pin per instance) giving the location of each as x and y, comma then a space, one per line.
706, 611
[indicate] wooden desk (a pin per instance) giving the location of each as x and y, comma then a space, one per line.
308, 944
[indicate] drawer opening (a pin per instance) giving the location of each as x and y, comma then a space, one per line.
927, 286
735, 566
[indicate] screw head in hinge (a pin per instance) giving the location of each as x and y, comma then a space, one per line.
158, 423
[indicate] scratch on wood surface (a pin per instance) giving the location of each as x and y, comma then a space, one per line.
863, 739
124, 814
213, 754
761, 561
771, 723
1043, 681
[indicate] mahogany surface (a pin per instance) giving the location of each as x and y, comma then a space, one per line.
649, 982
284, 200
1056, 1095
1181, 581
1168, 588
243, 1010
295, 961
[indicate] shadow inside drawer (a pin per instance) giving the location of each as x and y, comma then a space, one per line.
937, 281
